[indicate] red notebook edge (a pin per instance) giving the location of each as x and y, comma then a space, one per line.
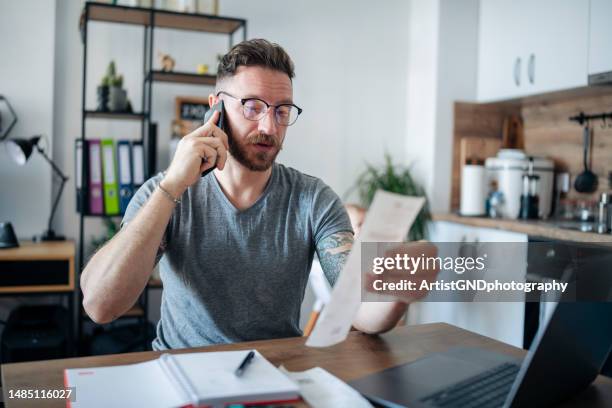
68, 405
271, 402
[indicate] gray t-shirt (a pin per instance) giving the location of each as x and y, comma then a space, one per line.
231, 275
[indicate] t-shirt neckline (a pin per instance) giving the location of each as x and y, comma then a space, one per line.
257, 202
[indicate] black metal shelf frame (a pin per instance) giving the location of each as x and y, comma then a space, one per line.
93, 114
150, 19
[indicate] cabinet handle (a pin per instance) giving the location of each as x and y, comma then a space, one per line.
531, 69
517, 71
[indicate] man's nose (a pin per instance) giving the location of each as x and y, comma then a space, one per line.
267, 124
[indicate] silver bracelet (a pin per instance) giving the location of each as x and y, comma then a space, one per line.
167, 194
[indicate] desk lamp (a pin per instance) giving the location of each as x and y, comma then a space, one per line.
7, 122
21, 150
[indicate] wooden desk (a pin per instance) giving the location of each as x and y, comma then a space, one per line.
359, 355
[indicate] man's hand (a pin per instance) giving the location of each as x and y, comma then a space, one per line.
426, 271
379, 317
200, 150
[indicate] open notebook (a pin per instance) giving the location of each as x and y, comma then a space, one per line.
181, 380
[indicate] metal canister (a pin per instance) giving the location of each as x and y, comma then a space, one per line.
604, 214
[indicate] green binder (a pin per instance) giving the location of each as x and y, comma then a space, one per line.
109, 170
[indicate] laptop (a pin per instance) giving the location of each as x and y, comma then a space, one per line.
565, 357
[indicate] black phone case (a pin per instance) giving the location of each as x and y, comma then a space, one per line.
216, 107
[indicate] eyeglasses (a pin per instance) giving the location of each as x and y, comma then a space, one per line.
254, 109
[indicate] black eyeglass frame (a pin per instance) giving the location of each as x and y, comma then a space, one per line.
243, 101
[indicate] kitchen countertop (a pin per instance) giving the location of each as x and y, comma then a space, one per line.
542, 229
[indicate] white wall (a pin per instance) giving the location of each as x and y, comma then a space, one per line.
422, 89
457, 81
27, 30
442, 69
67, 107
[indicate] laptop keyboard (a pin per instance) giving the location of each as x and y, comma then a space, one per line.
486, 390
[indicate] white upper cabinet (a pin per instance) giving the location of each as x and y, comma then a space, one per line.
560, 45
600, 41
531, 47
501, 61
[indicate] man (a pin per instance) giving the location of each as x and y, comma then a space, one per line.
236, 246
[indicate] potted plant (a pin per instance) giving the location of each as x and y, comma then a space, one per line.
395, 179
117, 96
111, 95
103, 91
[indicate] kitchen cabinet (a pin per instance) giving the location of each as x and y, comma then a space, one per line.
531, 47
600, 35
501, 58
503, 321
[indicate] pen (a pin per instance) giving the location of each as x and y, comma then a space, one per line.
245, 363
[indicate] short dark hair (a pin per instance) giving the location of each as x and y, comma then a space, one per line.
255, 52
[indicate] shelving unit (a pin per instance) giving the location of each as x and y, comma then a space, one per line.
150, 20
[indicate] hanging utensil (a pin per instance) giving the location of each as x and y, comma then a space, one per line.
586, 182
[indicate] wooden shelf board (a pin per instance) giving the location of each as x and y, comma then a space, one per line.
113, 14
114, 115
199, 22
184, 78
163, 18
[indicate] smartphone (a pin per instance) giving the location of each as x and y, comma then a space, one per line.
220, 124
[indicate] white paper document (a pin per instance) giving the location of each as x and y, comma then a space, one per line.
389, 219
320, 389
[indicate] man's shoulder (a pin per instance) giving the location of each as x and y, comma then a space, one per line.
297, 179
310, 189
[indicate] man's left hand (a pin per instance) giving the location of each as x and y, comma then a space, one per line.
428, 273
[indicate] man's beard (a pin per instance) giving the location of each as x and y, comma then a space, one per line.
255, 161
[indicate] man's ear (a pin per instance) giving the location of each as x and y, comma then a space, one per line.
212, 100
